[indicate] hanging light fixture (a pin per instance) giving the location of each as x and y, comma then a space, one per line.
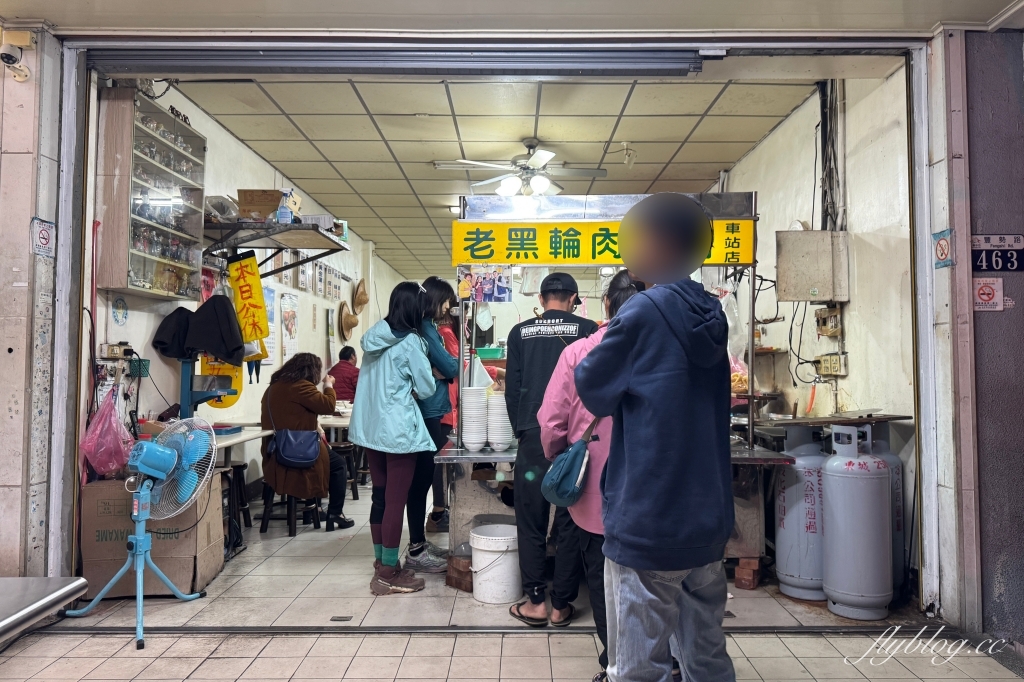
509, 186
539, 184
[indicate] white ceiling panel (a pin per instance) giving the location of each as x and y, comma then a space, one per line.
655, 128
381, 186
671, 100
639, 171
315, 98
496, 151
405, 98
582, 99
301, 170
400, 212
417, 128
693, 171
316, 187
286, 151
260, 127
338, 199
763, 100
384, 200
575, 129
347, 127
508, 99
495, 128
230, 98
425, 151
350, 212
647, 152
698, 152
368, 150
733, 128
369, 170
441, 186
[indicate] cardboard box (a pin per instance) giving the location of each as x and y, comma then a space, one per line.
189, 558
256, 205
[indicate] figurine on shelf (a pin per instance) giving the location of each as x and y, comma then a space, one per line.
137, 240
141, 174
165, 133
188, 196
149, 122
180, 143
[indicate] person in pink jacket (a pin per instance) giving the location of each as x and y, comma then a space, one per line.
563, 420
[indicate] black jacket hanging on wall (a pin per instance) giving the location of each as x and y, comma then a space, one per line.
213, 329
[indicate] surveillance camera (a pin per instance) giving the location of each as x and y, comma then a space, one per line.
10, 54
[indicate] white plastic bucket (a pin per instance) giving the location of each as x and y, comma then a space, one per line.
496, 578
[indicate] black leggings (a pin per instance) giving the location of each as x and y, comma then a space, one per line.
422, 479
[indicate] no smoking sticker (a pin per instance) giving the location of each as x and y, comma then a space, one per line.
43, 238
988, 294
942, 249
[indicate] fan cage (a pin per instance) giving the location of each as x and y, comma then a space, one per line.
164, 503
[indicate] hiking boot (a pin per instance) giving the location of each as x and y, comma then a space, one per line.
392, 580
438, 524
425, 561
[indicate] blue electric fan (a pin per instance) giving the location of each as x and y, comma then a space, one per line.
168, 475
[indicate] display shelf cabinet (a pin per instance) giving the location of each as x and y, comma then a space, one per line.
149, 198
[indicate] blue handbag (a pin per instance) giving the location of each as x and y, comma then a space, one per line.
563, 483
293, 448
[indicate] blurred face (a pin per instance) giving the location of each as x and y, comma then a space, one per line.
445, 307
653, 256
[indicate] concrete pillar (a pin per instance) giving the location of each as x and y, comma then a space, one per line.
29, 149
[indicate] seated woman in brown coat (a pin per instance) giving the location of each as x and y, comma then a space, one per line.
295, 402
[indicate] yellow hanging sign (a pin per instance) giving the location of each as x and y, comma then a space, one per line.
581, 242
212, 367
244, 276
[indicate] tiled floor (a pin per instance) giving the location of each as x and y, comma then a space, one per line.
307, 580
536, 657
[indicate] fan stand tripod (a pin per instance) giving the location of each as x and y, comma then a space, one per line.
139, 546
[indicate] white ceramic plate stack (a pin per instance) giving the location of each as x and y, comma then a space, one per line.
473, 404
499, 429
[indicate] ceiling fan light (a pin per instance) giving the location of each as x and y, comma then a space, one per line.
509, 187
539, 184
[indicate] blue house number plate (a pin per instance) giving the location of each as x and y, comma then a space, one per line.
997, 252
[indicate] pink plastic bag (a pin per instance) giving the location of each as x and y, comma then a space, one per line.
107, 442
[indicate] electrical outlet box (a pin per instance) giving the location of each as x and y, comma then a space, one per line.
812, 266
828, 321
115, 351
832, 364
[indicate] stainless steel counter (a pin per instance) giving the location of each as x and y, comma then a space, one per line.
454, 455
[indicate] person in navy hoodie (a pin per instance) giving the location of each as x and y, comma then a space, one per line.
662, 372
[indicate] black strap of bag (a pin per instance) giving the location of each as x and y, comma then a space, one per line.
589, 433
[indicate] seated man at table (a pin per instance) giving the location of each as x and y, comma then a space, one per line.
345, 374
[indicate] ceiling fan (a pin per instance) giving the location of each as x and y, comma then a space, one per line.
529, 173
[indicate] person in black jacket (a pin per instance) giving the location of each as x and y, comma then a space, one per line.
662, 370
534, 347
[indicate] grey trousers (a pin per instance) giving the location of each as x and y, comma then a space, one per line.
647, 609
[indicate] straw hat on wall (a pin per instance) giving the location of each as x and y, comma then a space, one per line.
346, 321
360, 298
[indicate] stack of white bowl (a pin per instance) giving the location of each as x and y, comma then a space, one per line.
473, 404
499, 429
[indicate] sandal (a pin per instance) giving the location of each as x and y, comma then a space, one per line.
564, 623
600, 677
532, 622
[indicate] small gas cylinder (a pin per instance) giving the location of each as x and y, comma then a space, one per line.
798, 508
857, 498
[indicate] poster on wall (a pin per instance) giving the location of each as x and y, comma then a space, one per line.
304, 277
320, 279
287, 276
314, 317
485, 283
332, 340
278, 262
271, 341
329, 283
289, 325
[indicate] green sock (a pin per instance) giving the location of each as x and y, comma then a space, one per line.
378, 551
389, 557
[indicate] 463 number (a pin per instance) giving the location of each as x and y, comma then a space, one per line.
996, 260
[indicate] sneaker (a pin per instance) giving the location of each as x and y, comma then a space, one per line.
393, 580
439, 524
425, 562
437, 551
